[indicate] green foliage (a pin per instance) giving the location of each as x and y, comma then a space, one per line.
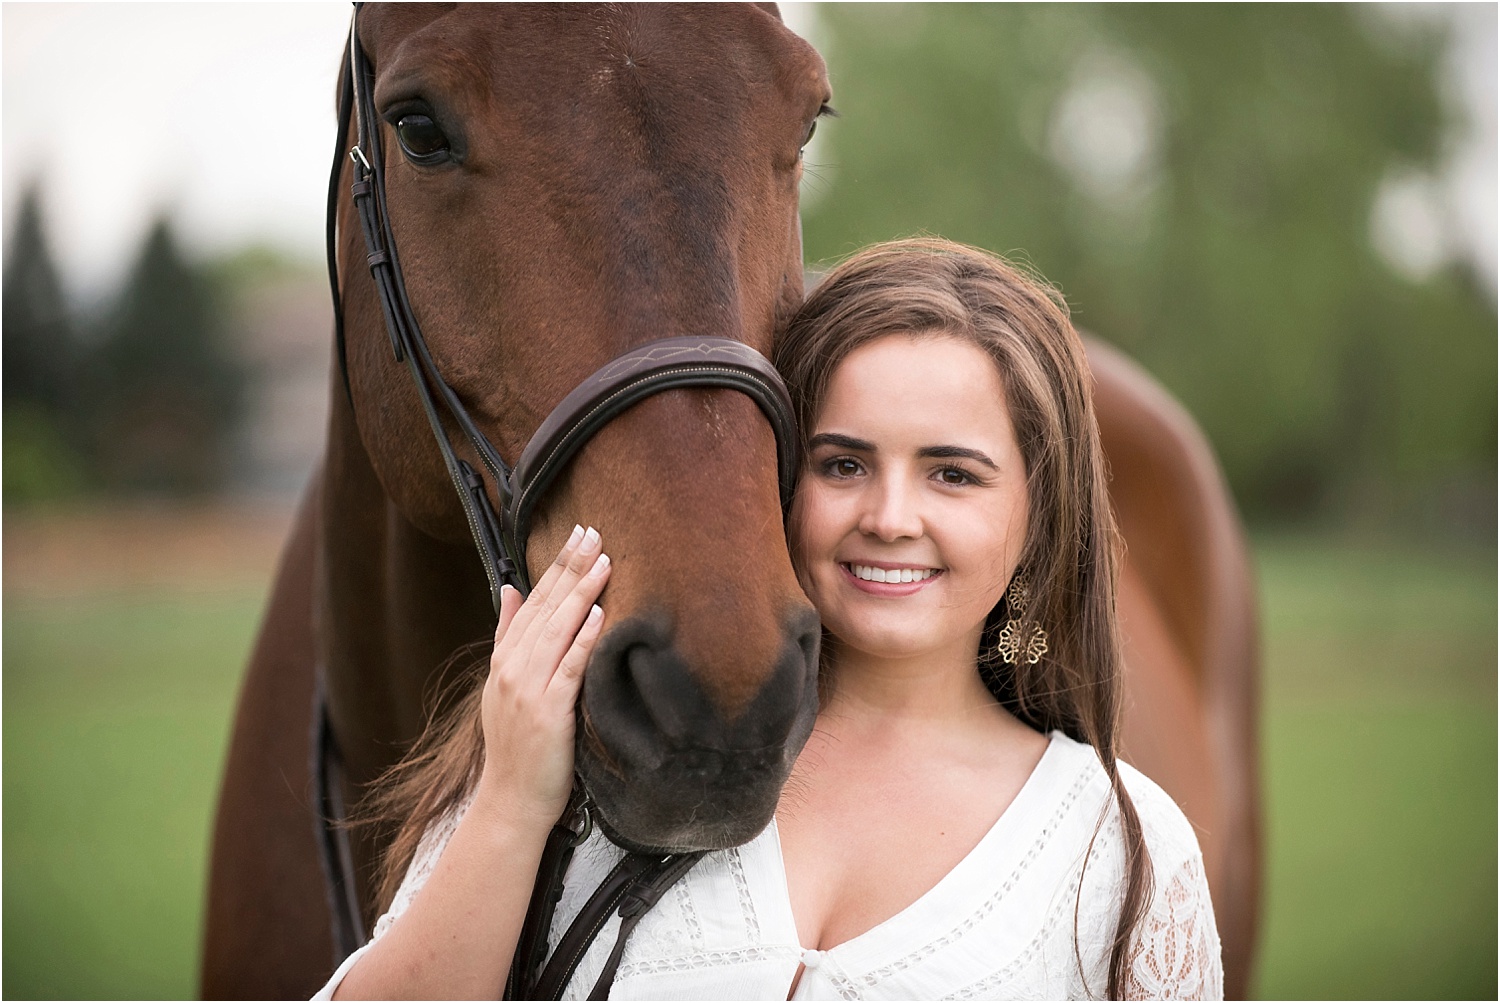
146, 401
42, 430
40, 465
1233, 261
167, 392
39, 340
258, 265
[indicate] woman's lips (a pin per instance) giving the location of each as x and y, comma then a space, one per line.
888, 589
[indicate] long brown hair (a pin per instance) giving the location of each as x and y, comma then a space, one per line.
1071, 554
435, 776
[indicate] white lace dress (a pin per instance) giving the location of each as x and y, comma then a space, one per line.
1000, 925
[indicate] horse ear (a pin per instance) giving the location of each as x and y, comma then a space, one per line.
771, 9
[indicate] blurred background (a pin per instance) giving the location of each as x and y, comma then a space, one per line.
1288, 214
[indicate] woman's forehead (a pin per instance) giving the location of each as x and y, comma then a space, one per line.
915, 387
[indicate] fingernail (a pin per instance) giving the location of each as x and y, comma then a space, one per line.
591, 538
600, 566
594, 615
504, 588
577, 532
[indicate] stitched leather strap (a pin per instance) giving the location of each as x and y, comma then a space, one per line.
368, 191
638, 901
531, 948
633, 886
586, 926
666, 364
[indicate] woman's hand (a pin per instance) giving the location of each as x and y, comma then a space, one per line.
541, 649
456, 939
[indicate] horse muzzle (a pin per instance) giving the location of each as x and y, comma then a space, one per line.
668, 768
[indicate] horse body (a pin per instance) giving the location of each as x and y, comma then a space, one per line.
1188, 620
623, 174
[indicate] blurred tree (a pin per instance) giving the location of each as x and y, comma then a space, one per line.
1199, 181
166, 392
40, 358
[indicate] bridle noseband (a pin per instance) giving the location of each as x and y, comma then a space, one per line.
666, 364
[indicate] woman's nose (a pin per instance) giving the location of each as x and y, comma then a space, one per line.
892, 512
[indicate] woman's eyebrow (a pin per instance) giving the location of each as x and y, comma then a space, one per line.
957, 453
841, 441
849, 442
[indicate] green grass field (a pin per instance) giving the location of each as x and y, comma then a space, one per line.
1379, 752
1378, 746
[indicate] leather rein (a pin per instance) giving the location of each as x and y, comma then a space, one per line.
500, 538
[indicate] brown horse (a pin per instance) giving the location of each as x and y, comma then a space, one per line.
613, 175
629, 174
1188, 615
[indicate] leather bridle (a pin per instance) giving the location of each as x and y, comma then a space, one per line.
500, 539
667, 364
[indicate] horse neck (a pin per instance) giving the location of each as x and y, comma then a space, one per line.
395, 606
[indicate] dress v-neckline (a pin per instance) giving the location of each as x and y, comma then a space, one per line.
902, 931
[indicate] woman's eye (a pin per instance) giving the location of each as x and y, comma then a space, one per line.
842, 466
953, 475
421, 138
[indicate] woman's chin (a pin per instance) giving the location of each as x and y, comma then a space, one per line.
885, 643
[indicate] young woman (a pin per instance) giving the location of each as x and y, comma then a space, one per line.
958, 825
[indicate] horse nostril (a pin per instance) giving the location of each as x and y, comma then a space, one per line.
645, 670
641, 697
642, 694
718, 769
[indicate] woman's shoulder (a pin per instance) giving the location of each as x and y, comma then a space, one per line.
1170, 836
1168, 830
1175, 952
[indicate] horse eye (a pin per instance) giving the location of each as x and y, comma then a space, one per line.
421, 139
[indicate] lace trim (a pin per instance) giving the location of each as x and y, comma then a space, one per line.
849, 988
701, 959
742, 889
689, 914
1176, 954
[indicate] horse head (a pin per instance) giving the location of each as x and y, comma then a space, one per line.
565, 183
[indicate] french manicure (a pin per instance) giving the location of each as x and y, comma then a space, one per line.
591, 538
594, 615
577, 532
600, 566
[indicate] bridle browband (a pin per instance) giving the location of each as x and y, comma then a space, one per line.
667, 364
500, 539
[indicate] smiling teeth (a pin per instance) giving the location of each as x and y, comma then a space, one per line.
893, 575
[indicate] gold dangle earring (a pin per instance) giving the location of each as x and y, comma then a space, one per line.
1009, 644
